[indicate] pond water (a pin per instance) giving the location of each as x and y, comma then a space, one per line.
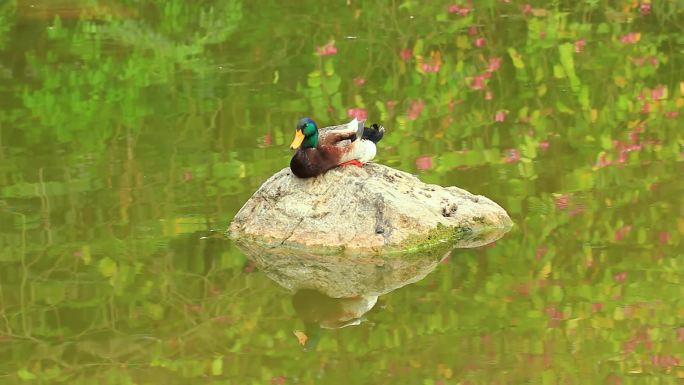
132, 131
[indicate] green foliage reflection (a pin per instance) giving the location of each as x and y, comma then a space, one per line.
130, 129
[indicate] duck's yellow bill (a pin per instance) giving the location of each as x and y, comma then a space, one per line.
298, 139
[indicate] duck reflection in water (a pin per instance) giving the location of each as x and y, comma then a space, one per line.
331, 313
319, 311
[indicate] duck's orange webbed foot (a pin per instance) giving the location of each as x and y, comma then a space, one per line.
354, 162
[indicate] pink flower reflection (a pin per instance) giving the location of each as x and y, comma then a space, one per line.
462, 10
327, 49
622, 232
526, 9
358, 113
415, 109
658, 92
428, 67
664, 237
630, 38
620, 277
478, 82
541, 252
512, 155
494, 64
579, 45
424, 162
500, 116
665, 360
562, 201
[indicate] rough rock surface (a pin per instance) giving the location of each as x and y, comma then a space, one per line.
360, 209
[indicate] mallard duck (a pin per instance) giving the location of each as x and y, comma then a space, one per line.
320, 150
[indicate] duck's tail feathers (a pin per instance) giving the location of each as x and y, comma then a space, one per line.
373, 133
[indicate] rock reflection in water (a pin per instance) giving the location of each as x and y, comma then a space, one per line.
332, 291
335, 291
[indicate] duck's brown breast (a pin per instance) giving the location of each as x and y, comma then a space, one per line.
310, 162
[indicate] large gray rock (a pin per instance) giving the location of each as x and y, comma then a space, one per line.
373, 208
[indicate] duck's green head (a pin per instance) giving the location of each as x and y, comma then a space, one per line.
306, 134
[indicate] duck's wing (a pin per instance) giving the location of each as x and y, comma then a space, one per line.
338, 134
373, 133
354, 125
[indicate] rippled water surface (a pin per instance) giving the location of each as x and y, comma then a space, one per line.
131, 132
